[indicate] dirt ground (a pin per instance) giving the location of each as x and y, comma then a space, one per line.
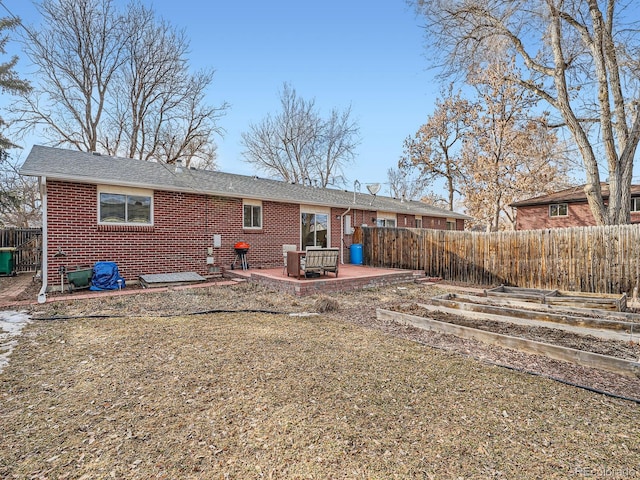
629, 350
222, 382
359, 308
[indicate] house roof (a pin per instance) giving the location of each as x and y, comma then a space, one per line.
90, 168
570, 195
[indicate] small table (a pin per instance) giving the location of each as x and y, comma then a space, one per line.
294, 261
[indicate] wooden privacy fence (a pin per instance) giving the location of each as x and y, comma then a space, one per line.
28, 245
587, 259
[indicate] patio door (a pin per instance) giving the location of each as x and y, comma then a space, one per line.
314, 229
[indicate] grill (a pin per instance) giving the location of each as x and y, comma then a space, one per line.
241, 249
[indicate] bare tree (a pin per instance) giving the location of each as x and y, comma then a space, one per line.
298, 145
19, 196
575, 55
117, 82
510, 155
161, 109
407, 182
435, 148
77, 53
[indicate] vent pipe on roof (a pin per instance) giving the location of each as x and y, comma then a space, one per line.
178, 166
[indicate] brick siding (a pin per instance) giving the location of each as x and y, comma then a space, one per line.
578, 215
183, 228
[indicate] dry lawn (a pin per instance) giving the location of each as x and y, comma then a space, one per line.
144, 394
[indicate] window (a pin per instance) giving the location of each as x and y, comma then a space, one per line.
314, 228
558, 210
122, 207
252, 215
386, 219
451, 224
386, 222
635, 204
418, 222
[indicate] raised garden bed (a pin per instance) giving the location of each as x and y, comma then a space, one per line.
557, 297
626, 323
618, 356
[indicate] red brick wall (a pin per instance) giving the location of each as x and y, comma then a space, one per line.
436, 223
184, 225
579, 215
358, 218
537, 217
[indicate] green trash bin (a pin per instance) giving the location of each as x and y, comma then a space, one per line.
6, 260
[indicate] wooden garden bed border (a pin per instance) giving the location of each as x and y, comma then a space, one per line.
558, 297
620, 366
470, 304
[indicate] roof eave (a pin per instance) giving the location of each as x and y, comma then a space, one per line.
174, 188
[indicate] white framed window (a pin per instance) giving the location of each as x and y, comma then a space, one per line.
386, 220
558, 210
418, 222
451, 224
252, 214
635, 204
125, 206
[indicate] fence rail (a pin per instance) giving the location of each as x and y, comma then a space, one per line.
28, 245
588, 259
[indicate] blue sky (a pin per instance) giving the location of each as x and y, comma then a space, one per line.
369, 55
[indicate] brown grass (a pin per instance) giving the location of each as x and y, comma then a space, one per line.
250, 395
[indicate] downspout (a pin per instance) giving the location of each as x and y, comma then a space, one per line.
342, 234
42, 295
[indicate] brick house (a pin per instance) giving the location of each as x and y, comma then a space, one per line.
155, 218
566, 208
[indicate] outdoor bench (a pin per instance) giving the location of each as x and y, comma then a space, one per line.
321, 260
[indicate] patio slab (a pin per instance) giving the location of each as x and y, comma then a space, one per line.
350, 277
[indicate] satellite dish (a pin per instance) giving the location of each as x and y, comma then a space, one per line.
373, 188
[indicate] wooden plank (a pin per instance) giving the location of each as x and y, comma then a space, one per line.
627, 327
509, 302
620, 366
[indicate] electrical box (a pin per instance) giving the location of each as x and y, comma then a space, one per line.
348, 229
217, 240
209, 251
209, 260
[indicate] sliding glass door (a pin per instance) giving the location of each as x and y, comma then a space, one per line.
314, 227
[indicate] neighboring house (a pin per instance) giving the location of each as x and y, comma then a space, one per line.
566, 208
155, 218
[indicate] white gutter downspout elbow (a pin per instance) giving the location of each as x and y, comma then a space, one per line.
42, 295
342, 234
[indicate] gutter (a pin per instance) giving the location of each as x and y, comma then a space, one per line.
233, 193
42, 295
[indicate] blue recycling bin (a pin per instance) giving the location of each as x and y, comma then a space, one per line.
355, 252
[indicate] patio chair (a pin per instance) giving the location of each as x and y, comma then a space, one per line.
285, 249
313, 262
330, 261
321, 261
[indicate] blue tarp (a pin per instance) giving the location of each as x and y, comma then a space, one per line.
106, 276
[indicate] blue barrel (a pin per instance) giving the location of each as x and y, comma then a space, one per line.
355, 252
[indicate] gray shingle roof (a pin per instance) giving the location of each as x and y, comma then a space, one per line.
574, 194
85, 167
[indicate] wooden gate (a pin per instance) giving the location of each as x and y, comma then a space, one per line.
28, 245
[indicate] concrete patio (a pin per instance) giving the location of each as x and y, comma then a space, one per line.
350, 277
